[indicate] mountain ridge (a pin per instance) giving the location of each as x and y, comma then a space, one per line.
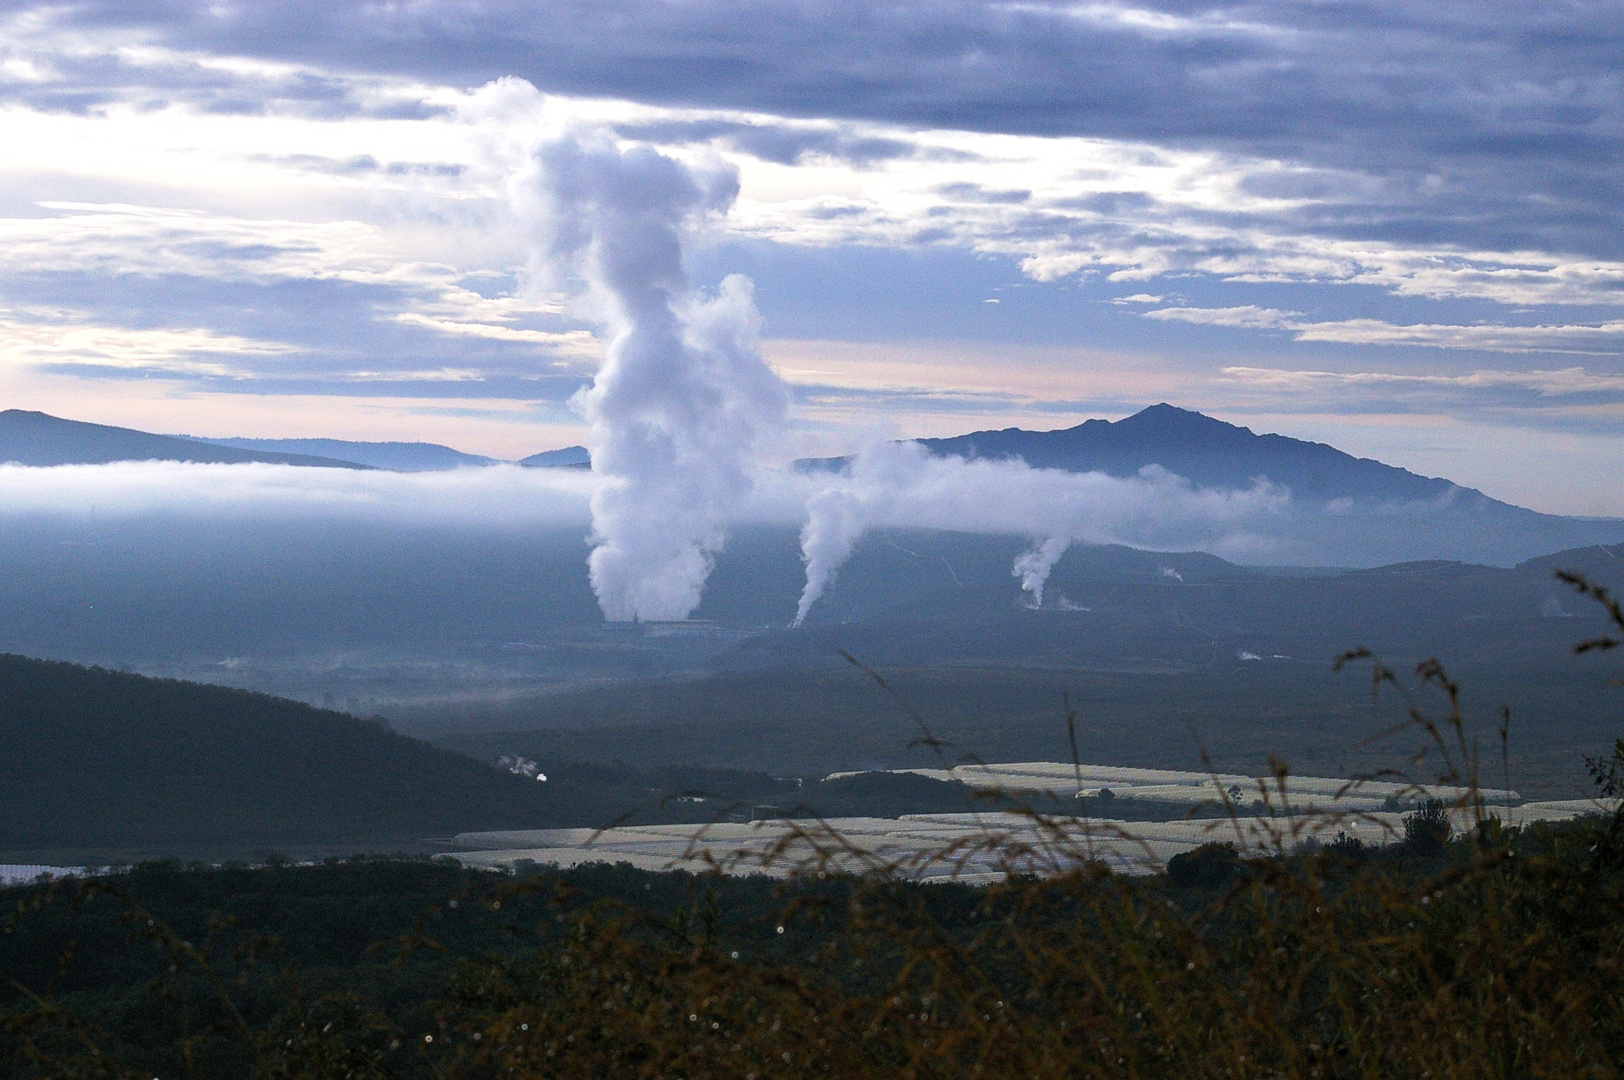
1203, 449
39, 439
1348, 510
30, 437
394, 456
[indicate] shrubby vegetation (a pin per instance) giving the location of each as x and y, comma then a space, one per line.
1496, 955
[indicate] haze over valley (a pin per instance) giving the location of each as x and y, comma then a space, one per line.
450, 596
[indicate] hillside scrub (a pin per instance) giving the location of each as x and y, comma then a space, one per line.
1496, 953
1497, 956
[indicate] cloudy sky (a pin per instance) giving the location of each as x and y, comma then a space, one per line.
1394, 227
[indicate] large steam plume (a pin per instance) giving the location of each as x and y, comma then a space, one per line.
683, 395
902, 485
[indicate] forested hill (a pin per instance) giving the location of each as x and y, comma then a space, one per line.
92, 758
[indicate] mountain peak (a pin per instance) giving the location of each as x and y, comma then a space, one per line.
1163, 415
1203, 449
1164, 421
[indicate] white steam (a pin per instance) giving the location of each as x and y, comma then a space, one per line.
900, 485
1033, 567
519, 765
683, 396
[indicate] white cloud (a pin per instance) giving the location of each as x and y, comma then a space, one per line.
1605, 338
1559, 383
506, 495
1149, 21
444, 374
117, 238
1133, 211
1245, 316
1128, 209
69, 338
580, 342
172, 160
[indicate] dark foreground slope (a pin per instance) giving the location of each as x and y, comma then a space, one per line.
92, 758
1492, 955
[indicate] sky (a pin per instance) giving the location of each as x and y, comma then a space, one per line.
1392, 227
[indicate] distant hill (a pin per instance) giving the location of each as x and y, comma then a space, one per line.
1203, 450
570, 457
93, 758
395, 456
35, 438
1206, 451
930, 598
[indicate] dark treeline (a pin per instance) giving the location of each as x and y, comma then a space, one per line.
1492, 955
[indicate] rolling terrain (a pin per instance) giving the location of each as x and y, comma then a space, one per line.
1161, 655
1119, 608
381, 618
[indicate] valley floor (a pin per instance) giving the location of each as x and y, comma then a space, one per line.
1259, 817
